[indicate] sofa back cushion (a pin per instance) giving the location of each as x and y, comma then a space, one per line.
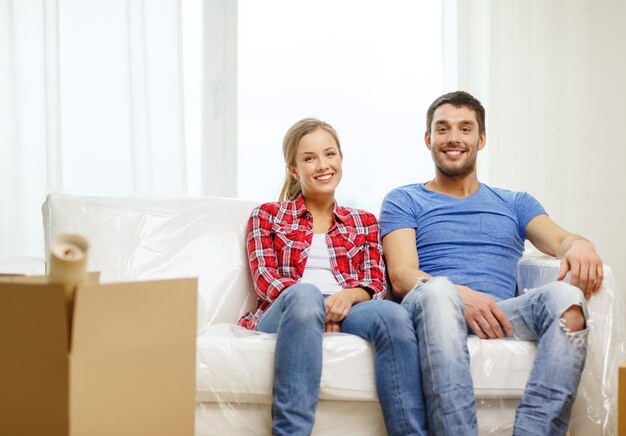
135, 238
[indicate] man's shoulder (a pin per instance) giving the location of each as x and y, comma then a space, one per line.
411, 190
498, 190
411, 187
503, 193
521, 203
402, 207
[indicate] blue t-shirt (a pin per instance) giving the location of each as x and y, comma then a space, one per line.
474, 241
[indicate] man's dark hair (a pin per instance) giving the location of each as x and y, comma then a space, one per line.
458, 99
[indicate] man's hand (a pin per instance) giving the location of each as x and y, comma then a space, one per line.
338, 305
577, 254
483, 315
584, 265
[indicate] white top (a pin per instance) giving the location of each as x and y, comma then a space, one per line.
318, 270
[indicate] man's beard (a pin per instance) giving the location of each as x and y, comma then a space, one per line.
453, 173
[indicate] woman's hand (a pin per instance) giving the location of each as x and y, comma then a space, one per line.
338, 305
332, 327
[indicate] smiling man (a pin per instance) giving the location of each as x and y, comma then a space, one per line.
452, 246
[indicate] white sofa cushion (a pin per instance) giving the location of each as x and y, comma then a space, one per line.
237, 365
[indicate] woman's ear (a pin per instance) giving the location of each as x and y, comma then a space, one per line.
293, 171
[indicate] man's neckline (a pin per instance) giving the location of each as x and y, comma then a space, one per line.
447, 195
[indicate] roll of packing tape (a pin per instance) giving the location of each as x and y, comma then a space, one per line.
68, 262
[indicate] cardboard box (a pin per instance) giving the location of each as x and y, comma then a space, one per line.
621, 400
127, 368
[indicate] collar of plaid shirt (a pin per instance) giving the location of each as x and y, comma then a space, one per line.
341, 214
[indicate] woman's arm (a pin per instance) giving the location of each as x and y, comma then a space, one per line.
373, 265
371, 285
262, 256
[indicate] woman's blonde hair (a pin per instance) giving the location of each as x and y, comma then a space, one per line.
291, 187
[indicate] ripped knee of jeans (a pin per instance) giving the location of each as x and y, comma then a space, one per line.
573, 323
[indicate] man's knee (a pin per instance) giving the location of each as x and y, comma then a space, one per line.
438, 292
573, 319
569, 303
437, 297
437, 311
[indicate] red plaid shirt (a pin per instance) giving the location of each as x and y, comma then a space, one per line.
279, 241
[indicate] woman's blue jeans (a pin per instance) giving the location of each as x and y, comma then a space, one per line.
297, 316
437, 311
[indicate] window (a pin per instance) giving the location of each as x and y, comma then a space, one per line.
369, 68
194, 96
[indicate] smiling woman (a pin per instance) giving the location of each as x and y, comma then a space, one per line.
317, 164
317, 267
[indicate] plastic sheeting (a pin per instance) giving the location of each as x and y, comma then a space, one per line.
30, 266
595, 409
157, 239
204, 237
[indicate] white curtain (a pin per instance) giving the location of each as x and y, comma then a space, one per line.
551, 75
91, 102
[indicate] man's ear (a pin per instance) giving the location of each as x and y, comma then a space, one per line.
482, 140
427, 140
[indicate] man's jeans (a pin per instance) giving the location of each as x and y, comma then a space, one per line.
437, 312
298, 315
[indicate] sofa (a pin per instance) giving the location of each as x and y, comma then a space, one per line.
204, 237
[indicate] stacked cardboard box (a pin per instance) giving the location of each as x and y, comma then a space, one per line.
126, 368
621, 400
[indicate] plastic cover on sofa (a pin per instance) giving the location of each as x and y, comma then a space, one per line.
595, 409
204, 237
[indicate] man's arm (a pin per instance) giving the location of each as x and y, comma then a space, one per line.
578, 255
402, 261
481, 312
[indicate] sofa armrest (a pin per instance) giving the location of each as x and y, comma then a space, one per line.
595, 409
535, 269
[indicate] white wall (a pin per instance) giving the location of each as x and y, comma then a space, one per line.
556, 105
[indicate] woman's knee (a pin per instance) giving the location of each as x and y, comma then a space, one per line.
305, 300
304, 292
379, 319
391, 314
